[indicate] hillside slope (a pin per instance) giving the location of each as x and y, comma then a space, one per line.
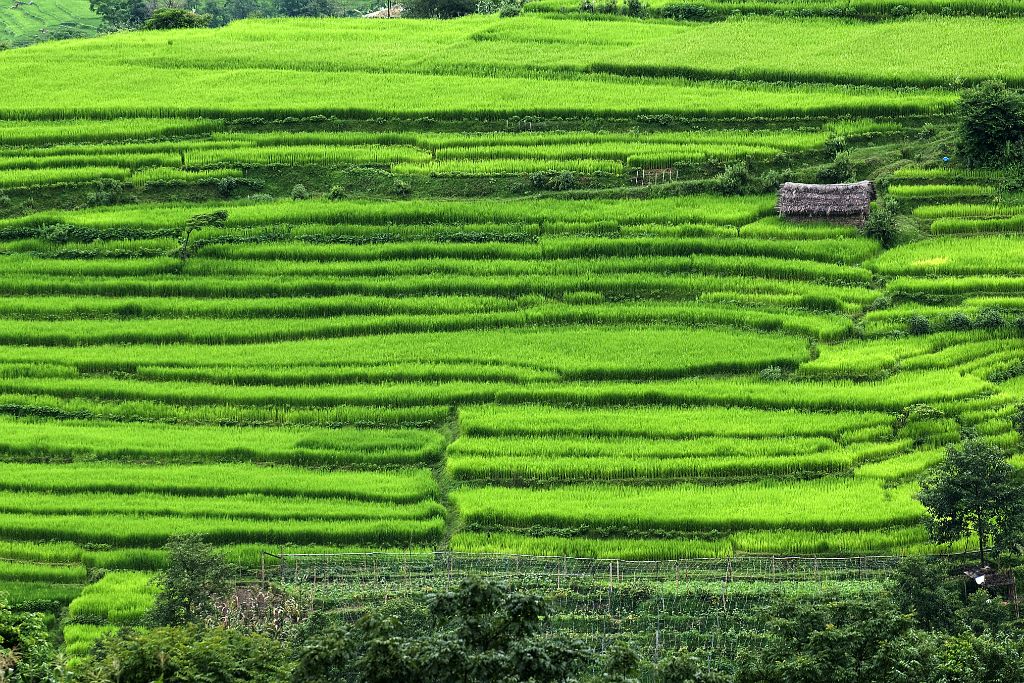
478, 285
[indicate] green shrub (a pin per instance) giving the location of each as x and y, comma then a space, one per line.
188, 655
299, 191
990, 127
173, 17
918, 324
989, 318
958, 321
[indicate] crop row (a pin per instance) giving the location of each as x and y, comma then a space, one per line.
403, 486
154, 530
141, 442
690, 208
826, 504
891, 394
538, 466
782, 541
553, 265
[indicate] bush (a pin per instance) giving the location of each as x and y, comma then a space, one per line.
187, 655
735, 179
882, 223
958, 322
772, 373
989, 319
481, 631
918, 324
107, 193
299, 191
990, 126
839, 171
554, 180
26, 654
687, 11
196, 576
173, 17
634, 8
228, 187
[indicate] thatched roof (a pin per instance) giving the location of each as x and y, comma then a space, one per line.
824, 201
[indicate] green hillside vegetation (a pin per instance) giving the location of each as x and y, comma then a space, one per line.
23, 23
510, 285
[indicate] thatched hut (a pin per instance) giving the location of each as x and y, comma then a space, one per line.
845, 202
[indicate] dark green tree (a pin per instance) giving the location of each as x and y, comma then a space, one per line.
174, 17
189, 654
196, 576
848, 641
974, 491
686, 667
201, 221
121, 13
990, 126
479, 632
26, 652
921, 586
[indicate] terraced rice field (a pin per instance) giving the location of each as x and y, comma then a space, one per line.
25, 22
511, 308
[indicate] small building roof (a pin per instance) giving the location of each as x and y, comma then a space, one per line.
823, 201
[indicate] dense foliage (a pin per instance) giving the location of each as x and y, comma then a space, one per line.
975, 490
991, 125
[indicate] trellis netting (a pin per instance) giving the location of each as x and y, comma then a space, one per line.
658, 607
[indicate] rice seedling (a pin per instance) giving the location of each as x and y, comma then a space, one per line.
119, 599
237, 479
142, 441
826, 505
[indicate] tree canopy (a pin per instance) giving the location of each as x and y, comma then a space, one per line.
974, 491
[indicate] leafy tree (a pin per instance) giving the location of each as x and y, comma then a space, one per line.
174, 17
26, 653
921, 586
479, 632
620, 664
985, 613
195, 577
216, 219
918, 324
439, 9
990, 125
883, 223
974, 492
188, 654
686, 667
852, 641
121, 13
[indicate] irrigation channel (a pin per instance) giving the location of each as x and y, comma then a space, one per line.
656, 606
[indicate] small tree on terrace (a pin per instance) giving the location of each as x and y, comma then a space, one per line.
990, 129
217, 219
975, 491
175, 17
196, 576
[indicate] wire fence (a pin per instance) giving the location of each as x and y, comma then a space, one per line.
658, 607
